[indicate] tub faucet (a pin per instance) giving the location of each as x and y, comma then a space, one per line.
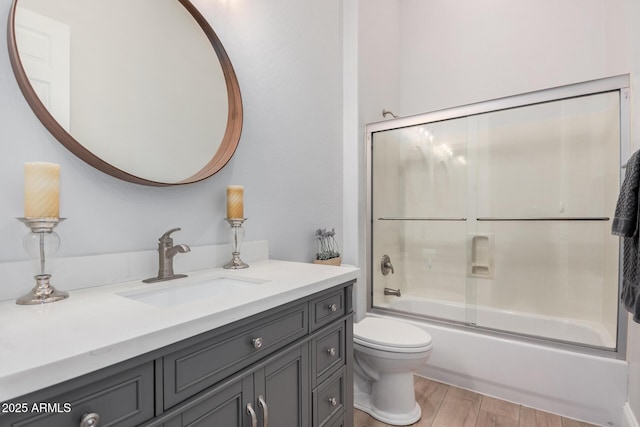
166, 252
394, 292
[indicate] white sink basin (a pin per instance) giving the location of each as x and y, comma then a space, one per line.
182, 291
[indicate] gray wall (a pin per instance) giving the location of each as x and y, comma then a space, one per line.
288, 58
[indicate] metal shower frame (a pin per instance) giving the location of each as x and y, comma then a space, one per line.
617, 83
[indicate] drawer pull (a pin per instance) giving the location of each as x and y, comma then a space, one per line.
333, 307
257, 343
333, 401
331, 352
265, 411
250, 411
90, 420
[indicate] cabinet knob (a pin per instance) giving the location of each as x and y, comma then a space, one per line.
331, 352
257, 343
90, 420
333, 401
333, 307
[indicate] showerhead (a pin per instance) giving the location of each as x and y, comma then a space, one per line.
385, 113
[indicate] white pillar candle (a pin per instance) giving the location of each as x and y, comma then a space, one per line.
235, 202
41, 190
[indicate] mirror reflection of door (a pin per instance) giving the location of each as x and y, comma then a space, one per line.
44, 46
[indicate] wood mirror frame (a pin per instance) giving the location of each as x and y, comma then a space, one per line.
223, 154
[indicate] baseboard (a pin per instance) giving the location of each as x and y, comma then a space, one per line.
629, 418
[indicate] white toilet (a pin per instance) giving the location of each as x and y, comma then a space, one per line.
386, 354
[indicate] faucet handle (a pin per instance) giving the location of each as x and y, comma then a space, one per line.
166, 238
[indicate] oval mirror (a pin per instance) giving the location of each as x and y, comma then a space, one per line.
142, 90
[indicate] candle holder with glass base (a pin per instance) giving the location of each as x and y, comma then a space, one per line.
42, 243
237, 234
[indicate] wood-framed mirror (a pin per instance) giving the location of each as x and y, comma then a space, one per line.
143, 91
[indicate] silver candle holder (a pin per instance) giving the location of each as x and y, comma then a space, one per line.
40, 242
237, 235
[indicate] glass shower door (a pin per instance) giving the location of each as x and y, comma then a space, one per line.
501, 220
547, 184
419, 219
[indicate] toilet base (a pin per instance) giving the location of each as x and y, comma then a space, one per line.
383, 385
362, 401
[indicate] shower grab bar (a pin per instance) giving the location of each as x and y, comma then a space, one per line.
396, 218
551, 218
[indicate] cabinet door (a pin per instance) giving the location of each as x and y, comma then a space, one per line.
225, 407
284, 387
124, 399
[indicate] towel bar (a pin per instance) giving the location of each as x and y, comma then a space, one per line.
395, 218
598, 218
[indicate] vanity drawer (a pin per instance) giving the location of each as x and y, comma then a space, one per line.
125, 399
328, 351
326, 308
328, 400
191, 370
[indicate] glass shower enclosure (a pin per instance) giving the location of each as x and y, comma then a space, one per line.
498, 215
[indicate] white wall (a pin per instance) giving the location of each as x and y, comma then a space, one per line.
455, 53
379, 56
288, 58
633, 356
633, 347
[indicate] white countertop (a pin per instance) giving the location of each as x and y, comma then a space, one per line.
96, 327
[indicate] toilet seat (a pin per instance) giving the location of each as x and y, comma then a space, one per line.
384, 334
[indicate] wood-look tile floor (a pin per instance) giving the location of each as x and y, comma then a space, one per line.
448, 406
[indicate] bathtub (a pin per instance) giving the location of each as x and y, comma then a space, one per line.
582, 386
550, 327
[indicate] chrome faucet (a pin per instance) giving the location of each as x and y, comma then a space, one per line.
390, 291
166, 252
386, 266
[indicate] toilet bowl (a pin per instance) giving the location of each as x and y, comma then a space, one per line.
386, 353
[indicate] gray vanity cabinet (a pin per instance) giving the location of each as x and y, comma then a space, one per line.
224, 407
207, 360
279, 389
122, 397
284, 387
290, 366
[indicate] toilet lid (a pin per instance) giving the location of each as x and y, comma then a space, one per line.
391, 334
